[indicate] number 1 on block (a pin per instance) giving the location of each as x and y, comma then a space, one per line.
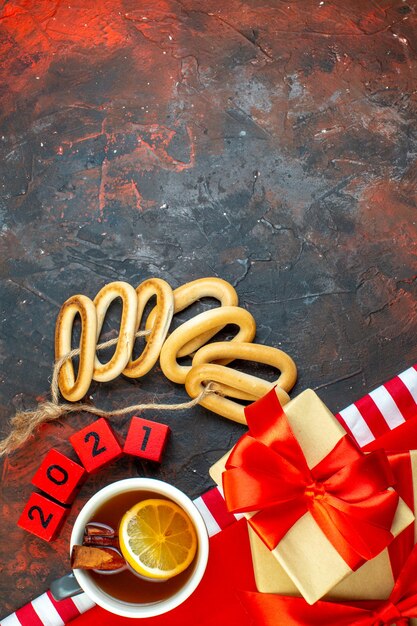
146, 439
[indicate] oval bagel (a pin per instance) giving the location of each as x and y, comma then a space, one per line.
104, 372
194, 327
211, 372
164, 310
184, 296
74, 389
257, 353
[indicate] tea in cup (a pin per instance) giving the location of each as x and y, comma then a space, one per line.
140, 510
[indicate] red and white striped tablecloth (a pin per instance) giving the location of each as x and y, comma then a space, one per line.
370, 418
45, 611
383, 409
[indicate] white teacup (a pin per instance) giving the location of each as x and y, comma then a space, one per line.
137, 610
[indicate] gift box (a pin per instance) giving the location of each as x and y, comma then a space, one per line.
376, 578
399, 609
305, 559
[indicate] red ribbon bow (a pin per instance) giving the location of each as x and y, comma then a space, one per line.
346, 493
265, 608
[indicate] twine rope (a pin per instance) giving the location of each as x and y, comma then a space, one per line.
25, 423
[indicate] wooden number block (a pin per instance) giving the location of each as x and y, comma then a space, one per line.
59, 477
42, 517
146, 439
96, 445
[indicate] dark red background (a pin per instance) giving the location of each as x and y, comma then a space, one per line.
270, 143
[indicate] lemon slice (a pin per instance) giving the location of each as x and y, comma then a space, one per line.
157, 538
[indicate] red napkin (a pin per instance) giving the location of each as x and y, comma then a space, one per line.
215, 600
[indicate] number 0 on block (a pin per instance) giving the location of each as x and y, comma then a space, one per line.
59, 476
96, 445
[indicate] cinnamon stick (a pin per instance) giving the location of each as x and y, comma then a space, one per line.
88, 557
100, 541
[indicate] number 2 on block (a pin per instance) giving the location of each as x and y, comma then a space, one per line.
42, 516
44, 521
96, 440
96, 445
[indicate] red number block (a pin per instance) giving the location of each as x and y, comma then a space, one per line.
146, 439
96, 445
59, 477
42, 517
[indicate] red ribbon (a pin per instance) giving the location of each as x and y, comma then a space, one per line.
268, 609
401, 546
346, 493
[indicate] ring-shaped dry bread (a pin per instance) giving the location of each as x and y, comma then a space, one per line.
200, 375
164, 310
199, 324
104, 372
184, 296
213, 352
73, 389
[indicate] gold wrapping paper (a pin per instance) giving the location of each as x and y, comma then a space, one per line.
305, 561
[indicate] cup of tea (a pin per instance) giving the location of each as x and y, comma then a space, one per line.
129, 592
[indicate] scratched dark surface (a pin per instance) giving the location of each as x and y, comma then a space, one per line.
270, 143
